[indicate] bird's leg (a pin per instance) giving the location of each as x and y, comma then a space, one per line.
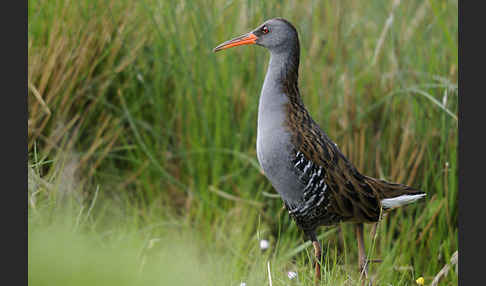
363, 265
372, 235
373, 229
318, 256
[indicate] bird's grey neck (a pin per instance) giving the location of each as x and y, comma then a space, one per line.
281, 78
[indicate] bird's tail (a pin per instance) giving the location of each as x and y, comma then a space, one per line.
394, 195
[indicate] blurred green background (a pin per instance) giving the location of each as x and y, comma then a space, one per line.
142, 160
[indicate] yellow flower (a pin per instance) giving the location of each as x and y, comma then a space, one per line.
420, 281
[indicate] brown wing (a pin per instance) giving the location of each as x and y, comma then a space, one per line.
354, 197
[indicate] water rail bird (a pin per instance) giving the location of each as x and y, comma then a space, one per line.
317, 183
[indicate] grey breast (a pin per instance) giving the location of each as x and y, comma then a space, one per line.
274, 146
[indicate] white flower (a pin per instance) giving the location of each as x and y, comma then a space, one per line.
264, 244
242, 284
291, 274
152, 242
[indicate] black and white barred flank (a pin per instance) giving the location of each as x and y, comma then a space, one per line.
312, 209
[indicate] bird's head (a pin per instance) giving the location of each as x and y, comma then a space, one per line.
277, 35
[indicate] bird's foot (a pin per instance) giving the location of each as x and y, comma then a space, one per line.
363, 265
363, 270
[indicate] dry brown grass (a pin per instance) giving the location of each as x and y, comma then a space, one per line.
71, 70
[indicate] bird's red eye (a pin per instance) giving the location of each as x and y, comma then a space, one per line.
265, 29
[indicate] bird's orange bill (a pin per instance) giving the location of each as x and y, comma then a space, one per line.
246, 39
